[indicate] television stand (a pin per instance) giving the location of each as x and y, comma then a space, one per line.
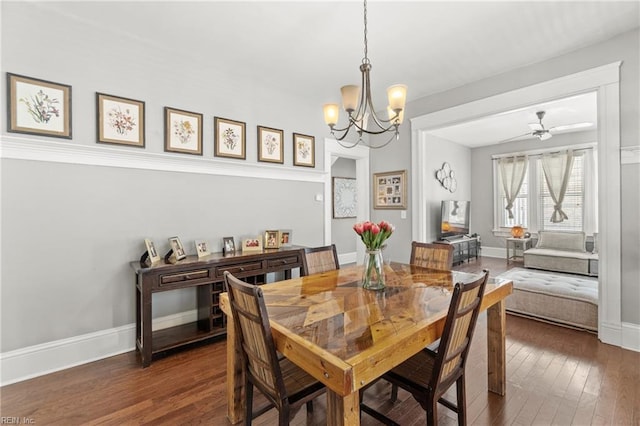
464, 248
452, 238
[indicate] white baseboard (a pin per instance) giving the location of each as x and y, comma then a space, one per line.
499, 252
38, 360
346, 258
631, 336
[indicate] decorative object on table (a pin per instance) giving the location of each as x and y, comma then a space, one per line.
270, 147
228, 246
38, 107
362, 114
447, 177
182, 131
176, 252
373, 236
271, 239
120, 120
527, 234
150, 257
230, 138
390, 190
202, 248
345, 197
285, 237
304, 150
252, 244
517, 231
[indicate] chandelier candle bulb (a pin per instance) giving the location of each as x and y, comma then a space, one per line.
397, 96
350, 96
331, 114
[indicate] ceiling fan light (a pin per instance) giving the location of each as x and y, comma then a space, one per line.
545, 136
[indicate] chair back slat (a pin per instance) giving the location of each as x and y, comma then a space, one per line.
458, 331
317, 260
254, 333
436, 256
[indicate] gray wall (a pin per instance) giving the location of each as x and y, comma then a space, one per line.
342, 234
69, 231
626, 48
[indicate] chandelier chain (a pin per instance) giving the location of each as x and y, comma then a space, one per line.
365, 60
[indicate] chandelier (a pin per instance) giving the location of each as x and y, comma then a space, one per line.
359, 106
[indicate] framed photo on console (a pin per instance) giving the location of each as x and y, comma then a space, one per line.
228, 246
390, 190
177, 247
271, 239
252, 244
202, 248
154, 257
285, 237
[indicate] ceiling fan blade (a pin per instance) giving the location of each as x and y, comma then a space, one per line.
571, 126
515, 137
535, 126
545, 136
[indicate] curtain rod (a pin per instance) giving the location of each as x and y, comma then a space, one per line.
539, 153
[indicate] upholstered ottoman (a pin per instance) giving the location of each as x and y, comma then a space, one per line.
561, 298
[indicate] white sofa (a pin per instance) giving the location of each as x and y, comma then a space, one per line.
562, 251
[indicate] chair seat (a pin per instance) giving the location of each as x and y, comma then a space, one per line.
298, 382
417, 370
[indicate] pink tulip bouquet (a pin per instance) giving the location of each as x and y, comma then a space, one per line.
374, 235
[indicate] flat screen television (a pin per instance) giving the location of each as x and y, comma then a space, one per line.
454, 219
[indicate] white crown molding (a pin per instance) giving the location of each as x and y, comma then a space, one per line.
26, 148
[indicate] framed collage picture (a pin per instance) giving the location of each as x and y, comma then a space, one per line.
120, 120
38, 107
182, 131
270, 147
390, 190
304, 150
229, 138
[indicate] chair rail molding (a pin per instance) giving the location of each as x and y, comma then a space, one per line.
606, 81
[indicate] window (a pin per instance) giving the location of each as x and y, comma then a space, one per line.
534, 206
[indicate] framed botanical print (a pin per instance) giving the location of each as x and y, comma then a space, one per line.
120, 120
230, 138
304, 150
182, 131
38, 107
345, 198
270, 147
390, 190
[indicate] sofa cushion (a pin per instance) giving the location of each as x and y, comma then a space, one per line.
562, 240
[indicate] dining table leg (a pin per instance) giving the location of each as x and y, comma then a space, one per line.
235, 376
343, 410
496, 347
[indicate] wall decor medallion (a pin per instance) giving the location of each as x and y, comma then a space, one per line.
390, 190
38, 107
120, 120
447, 177
345, 198
270, 147
182, 131
230, 138
304, 150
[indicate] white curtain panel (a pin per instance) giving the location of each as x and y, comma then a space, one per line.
557, 170
512, 172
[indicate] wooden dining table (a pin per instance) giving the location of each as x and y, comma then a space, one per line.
347, 337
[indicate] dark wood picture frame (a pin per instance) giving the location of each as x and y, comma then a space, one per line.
182, 131
51, 116
230, 138
304, 150
121, 121
270, 145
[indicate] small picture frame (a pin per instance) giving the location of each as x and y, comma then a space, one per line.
177, 247
229, 138
252, 244
270, 147
38, 107
285, 237
272, 239
345, 197
182, 131
202, 248
228, 246
390, 190
120, 120
152, 252
304, 150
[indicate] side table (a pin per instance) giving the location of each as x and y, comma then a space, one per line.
518, 246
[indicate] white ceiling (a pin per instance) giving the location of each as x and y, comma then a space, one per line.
313, 48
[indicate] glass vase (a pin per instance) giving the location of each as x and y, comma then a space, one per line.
373, 273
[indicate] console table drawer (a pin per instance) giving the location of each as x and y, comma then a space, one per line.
239, 269
184, 277
290, 260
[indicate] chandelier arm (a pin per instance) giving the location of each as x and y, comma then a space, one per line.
382, 130
393, 137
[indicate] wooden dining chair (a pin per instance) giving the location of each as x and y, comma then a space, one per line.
316, 260
432, 371
436, 256
284, 384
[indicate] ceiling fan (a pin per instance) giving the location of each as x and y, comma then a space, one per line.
538, 130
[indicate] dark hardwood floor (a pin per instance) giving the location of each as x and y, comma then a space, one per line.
556, 376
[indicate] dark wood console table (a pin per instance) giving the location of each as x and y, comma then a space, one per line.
207, 274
